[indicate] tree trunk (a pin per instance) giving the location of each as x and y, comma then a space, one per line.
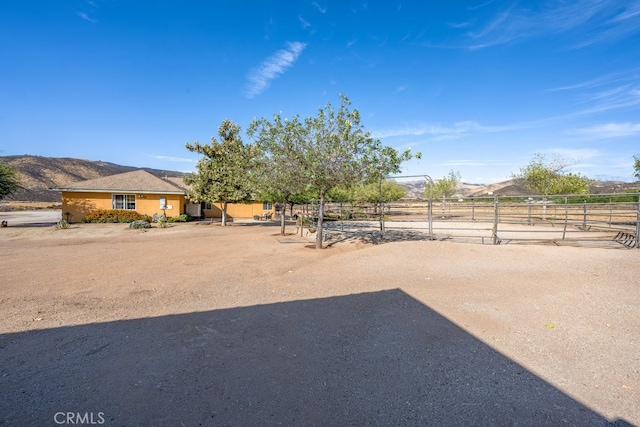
224, 213
320, 218
282, 215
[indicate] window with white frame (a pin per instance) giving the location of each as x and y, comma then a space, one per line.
124, 201
267, 206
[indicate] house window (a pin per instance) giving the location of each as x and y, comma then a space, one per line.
267, 206
163, 203
207, 206
124, 201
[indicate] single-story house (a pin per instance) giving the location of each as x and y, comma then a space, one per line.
147, 194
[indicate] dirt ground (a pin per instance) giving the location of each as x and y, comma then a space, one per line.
208, 325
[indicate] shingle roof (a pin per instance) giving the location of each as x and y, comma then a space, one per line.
138, 181
179, 181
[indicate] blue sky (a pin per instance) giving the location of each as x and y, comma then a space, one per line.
476, 86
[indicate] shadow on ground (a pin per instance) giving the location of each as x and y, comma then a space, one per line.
368, 233
378, 358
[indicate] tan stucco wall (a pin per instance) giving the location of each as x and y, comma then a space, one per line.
150, 204
237, 210
78, 205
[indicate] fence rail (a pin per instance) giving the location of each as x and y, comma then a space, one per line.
612, 219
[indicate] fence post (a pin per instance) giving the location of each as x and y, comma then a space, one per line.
473, 209
430, 217
381, 211
584, 215
495, 220
566, 218
638, 225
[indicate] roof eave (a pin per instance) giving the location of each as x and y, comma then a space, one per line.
85, 190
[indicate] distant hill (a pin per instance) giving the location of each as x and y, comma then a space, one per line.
38, 174
415, 189
507, 188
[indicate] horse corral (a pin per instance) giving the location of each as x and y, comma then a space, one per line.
609, 220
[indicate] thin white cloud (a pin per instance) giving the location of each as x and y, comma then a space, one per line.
320, 9
574, 154
626, 76
260, 78
86, 17
609, 92
587, 22
464, 163
631, 12
611, 99
305, 24
481, 5
609, 130
175, 159
458, 130
459, 24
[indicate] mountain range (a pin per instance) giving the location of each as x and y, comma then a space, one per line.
38, 174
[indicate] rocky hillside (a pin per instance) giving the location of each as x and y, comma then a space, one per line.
38, 174
415, 189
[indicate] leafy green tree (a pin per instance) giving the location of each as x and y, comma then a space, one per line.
446, 186
636, 166
341, 194
377, 192
224, 173
551, 177
9, 181
332, 149
276, 167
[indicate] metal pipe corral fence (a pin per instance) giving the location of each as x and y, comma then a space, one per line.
611, 219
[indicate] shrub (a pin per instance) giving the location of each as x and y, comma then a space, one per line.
157, 217
140, 224
113, 215
162, 223
62, 225
179, 218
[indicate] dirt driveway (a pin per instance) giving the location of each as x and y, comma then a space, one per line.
210, 325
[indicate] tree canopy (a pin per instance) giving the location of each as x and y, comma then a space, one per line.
224, 173
376, 192
636, 166
551, 177
9, 181
325, 151
276, 166
446, 186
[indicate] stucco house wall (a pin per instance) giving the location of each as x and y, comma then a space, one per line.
76, 205
239, 210
80, 198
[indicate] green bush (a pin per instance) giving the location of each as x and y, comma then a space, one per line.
62, 225
140, 224
113, 216
179, 218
